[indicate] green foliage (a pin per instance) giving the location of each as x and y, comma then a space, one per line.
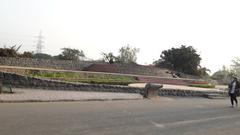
13, 52
225, 75
222, 76
70, 54
109, 57
202, 85
9, 52
128, 54
235, 67
42, 56
183, 59
203, 72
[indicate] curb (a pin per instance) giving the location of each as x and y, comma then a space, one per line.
65, 100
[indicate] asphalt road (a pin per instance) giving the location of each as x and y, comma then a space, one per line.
164, 116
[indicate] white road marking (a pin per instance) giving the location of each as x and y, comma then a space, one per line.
187, 122
158, 125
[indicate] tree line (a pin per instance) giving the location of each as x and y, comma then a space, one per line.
66, 54
127, 54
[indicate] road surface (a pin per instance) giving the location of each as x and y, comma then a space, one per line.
163, 116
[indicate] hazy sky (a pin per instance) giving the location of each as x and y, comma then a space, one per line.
95, 26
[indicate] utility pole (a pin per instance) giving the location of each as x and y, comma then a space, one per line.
40, 42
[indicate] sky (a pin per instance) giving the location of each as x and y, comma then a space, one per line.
212, 27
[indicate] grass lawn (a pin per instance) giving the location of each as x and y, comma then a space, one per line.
202, 85
83, 77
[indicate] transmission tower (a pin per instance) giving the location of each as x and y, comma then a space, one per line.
40, 42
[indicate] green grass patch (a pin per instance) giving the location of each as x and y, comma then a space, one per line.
202, 85
92, 78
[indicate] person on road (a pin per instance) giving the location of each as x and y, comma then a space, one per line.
234, 91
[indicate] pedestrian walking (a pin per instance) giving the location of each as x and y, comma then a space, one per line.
234, 91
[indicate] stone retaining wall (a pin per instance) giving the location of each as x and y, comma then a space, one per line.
43, 63
188, 93
182, 93
21, 81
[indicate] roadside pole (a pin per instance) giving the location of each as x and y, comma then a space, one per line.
1, 82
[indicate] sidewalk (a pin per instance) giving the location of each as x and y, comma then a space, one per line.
38, 95
179, 87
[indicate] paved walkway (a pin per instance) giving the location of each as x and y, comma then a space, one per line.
179, 87
38, 95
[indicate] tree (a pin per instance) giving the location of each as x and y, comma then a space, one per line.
223, 76
235, 67
71, 54
128, 54
109, 57
10, 52
184, 59
13, 52
203, 72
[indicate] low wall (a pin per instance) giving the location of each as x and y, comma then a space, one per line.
21, 81
182, 93
187, 93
